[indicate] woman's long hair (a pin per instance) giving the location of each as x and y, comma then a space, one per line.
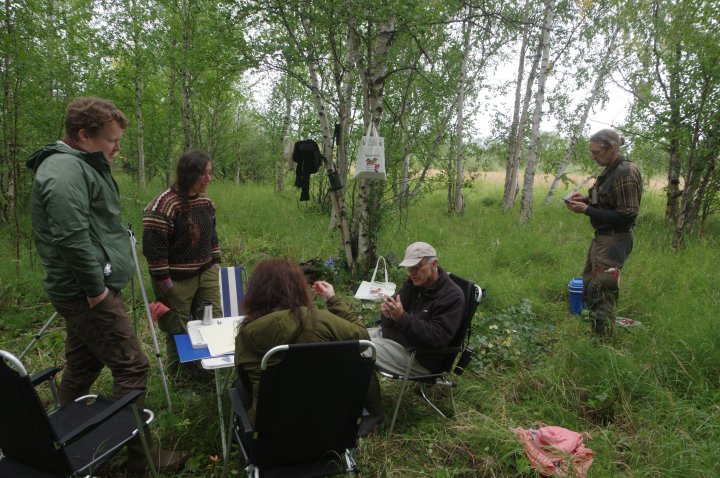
277, 284
191, 166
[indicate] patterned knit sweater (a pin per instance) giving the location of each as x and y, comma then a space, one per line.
167, 244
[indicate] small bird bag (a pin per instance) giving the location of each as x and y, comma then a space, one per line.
375, 290
371, 156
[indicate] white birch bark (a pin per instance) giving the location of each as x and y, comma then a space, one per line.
514, 155
544, 45
140, 129
368, 204
336, 197
458, 204
511, 166
281, 164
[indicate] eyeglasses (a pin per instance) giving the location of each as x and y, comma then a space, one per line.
417, 266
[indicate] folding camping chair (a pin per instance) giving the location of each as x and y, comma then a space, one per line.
231, 289
459, 346
308, 410
73, 440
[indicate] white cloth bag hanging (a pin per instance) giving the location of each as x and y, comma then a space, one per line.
371, 156
375, 290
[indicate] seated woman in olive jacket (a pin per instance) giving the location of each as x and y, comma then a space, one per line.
279, 310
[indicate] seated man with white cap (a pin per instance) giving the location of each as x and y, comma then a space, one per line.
426, 313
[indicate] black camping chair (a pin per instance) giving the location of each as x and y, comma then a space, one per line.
309, 406
73, 440
458, 351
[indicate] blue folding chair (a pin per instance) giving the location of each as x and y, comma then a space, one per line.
232, 290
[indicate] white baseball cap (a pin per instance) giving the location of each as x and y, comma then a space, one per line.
416, 252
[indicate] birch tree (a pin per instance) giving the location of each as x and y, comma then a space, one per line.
676, 78
544, 48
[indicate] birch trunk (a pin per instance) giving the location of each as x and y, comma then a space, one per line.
170, 131
457, 203
510, 165
345, 74
140, 130
516, 137
675, 163
282, 161
368, 212
187, 131
544, 45
336, 197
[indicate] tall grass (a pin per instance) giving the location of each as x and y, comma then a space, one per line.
648, 398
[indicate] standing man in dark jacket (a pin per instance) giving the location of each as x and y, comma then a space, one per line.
85, 251
427, 312
612, 204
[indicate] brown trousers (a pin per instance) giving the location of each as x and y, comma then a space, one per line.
601, 278
100, 337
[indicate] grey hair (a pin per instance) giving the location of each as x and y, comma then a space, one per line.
608, 138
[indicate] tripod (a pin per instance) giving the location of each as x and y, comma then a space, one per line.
151, 326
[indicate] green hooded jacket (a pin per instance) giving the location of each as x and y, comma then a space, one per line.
279, 327
80, 239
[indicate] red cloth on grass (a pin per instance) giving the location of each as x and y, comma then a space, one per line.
553, 451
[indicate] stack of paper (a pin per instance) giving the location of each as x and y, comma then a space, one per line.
220, 336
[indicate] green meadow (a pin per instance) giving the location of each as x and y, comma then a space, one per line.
647, 400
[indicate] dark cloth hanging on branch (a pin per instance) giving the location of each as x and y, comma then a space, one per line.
306, 154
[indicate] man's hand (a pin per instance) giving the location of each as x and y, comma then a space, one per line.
93, 301
392, 308
576, 202
576, 206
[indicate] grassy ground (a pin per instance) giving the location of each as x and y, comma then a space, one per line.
648, 399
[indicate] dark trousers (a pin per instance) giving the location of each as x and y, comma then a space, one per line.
601, 278
100, 337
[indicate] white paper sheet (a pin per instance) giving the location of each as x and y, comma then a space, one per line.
220, 336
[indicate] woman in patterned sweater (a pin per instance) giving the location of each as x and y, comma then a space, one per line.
181, 246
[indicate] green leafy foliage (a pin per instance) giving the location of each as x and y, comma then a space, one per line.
506, 339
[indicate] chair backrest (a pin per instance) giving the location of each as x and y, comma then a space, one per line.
473, 297
310, 402
231, 290
26, 435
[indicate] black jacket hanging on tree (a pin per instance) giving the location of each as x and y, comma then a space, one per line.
307, 155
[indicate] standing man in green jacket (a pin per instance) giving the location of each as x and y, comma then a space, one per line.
86, 253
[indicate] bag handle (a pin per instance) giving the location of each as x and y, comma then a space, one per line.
376, 269
370, 130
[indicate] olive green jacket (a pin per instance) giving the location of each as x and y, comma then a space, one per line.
254, 339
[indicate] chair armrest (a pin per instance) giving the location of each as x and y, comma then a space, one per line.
101, 417
239, 410
436, 350
43, 376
